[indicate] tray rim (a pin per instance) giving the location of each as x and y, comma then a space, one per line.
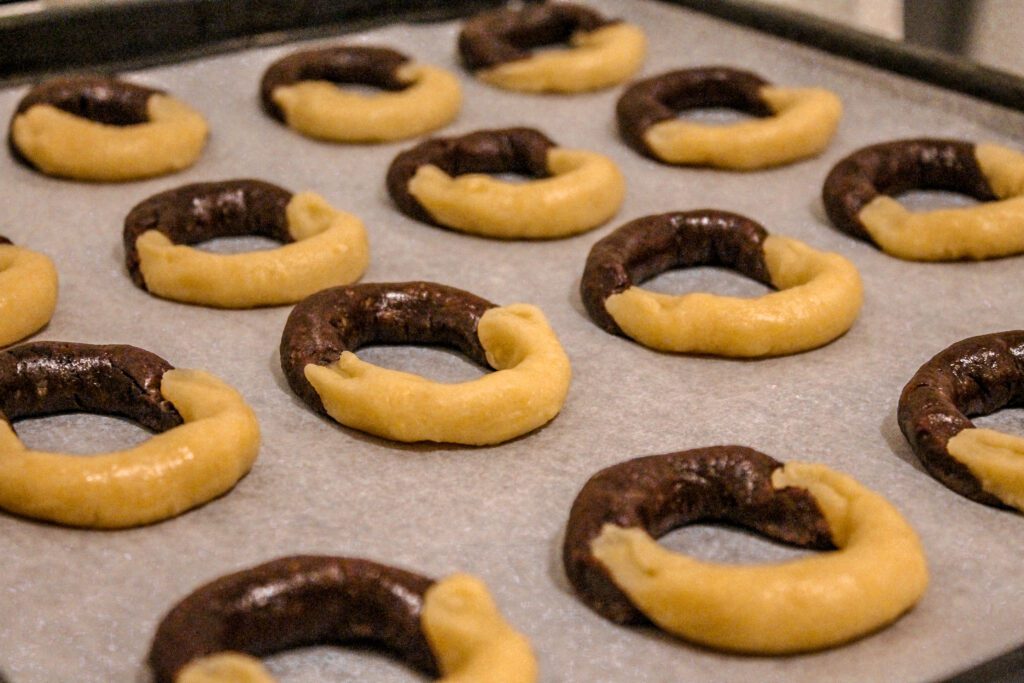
209, 30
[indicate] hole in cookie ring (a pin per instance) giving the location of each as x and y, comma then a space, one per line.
104, 129
321, 246
28, 291
497, 47
714, 279
451, 626
791, 123
208, 437
443, 181
819, 295
436, 363
973, 377
303, 91
859, 199
526, 390
724, 543
618, 569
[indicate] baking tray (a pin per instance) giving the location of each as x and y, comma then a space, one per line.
81, 605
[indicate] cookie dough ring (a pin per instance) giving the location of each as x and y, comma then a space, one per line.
819, 297
858, 195
496, 46
451, 627
104, 129
793, 123
321, 246
976, 376
526, 391
441, 181
28, 292
301, 90
208, 437
617, 568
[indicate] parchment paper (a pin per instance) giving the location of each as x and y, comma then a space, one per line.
82, 605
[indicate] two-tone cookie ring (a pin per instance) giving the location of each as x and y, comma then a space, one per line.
877, 572
100, 128
526, 390
444, 181
791, 123
449, 627
306, 91
207, 436
321, 246
859, 199
497, 47
819, 295
975, 376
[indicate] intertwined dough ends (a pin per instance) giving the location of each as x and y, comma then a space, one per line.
820, 295
526, 391
164, 476
470, 639
878, 572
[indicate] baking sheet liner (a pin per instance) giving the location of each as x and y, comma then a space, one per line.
82, 605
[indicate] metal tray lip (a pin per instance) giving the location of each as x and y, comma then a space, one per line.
195, 28
345, 16
920, 63
261, 23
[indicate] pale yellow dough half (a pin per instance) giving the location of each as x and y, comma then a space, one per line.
586, 189
995, 459
878, 572
470, 639
28, 292
805, 120
62, 144
322, 110
527, 389
820, 296
596, 59
164, 476
988, 230
330, 250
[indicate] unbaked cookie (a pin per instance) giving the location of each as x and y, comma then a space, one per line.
99, 128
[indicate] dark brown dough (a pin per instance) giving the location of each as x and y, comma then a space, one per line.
44, 378
650, 245
659, 493
196, 213
506, 150
339, 319
295, 602
891, 168
976, 376
507, 34
661, 97
362, 65
102, 99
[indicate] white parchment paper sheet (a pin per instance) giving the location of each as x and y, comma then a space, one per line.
82, 605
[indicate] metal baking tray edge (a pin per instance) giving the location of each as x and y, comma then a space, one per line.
127, 35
